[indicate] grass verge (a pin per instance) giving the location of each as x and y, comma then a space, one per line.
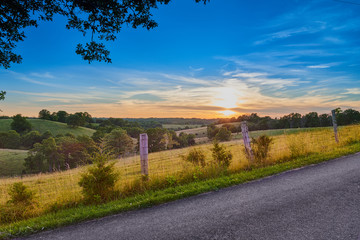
151, 198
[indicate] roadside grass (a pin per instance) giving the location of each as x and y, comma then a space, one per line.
60, 200
150, 197
44, 125
11, 162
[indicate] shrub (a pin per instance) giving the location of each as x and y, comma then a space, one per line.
20, 124
195, 156
223, 135
211, 131
171, 180
221, 155
20, 194
29, 139
296, 145
98, 183
21, 204
261, 147
10, 139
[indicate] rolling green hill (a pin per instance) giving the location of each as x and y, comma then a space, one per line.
54, 127
11, 162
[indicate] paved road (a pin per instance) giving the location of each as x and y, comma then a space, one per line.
316, 202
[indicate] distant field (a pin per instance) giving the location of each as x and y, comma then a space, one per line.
54, 127
201, 132
11, 162
277, 132
177, 126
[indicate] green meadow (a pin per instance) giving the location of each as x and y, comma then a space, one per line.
44, 125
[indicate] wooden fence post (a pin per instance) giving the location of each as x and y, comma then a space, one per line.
246, 138
335, 125
144, 154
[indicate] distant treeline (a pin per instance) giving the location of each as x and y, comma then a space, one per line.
178, 121
84, 119
296, 120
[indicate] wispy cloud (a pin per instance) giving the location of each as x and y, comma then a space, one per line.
318, 66
291, 32
42, 75
355, 91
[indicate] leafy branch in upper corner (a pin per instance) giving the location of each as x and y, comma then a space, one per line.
2, 95
102, 19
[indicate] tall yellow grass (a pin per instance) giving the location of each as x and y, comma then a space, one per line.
62, 187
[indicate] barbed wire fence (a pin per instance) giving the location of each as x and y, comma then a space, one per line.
62, 186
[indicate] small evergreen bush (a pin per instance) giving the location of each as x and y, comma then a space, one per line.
21, 194
221, 155
195, 156
21, 204
261, 147
98, 183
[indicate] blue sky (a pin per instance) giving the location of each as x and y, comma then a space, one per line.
226, 58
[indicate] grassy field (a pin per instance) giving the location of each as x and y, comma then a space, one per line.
62, 187
54, 127
198, 132
169, 177
201, 132
11, 162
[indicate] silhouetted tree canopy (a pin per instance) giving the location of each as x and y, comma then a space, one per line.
101, 19
2, 95
20, 124
45, 114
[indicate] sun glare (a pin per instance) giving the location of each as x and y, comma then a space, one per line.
227, 112
226, 98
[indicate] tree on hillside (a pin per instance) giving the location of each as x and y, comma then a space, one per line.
118, 142
29, 139
212, 130
74, 121
157, 139
325, 120
45, 114
44, 156
62, 116
134, 132
54, 117
311, 120
78, 119
102, 20
231, 127
186, 140
20, 124
72, 152
10, 139
349, 116
223, 135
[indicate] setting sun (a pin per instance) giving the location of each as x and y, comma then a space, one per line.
226, 97
227, 112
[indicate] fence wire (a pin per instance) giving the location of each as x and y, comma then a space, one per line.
63, 186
